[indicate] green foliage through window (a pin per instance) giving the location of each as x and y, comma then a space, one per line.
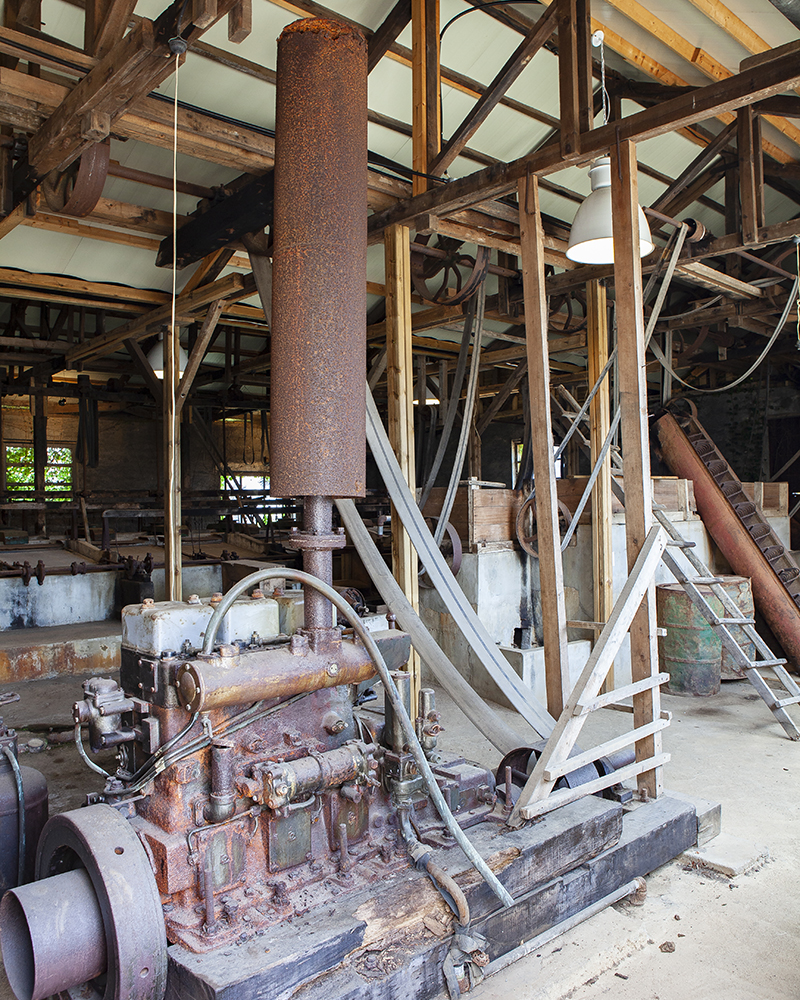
20, 471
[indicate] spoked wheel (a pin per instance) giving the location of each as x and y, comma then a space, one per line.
443, 274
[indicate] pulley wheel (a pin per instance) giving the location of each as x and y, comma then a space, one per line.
102, 842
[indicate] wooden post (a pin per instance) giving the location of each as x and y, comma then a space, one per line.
173, 582
40, 457
751, 174
426, 82
551, 573
600, 421
400, 390
635, 442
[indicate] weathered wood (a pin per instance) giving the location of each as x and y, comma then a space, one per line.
105, 24
240, 21
551, 571
568, 77
248, 210
491, 97
204, 336
388, 32
563, 738
400, 392
752, 84
635, 440
426, 84
145, 369
600, 421
751, 174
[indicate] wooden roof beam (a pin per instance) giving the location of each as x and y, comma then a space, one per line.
782, 70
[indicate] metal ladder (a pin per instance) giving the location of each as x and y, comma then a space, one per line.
780, 560
722, 626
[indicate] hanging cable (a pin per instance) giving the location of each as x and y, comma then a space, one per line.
791, 299
597, 41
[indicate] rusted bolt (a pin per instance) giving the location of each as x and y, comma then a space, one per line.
148, 602
216, 598
257, 595
333, 669
193, 599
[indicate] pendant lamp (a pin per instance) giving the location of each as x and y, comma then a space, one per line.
156, 358
591, 239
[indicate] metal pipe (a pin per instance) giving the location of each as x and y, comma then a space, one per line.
222, 801
392, 694
319, 262
318, 520
394, 737
52, 935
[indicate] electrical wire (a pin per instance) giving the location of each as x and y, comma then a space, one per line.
732, 385
482, 6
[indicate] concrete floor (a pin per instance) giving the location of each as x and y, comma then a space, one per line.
734, 938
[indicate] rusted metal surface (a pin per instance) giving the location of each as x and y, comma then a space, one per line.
39, 958
319, 262
451, 278
79, 656
77, 190
735, 542
271, 673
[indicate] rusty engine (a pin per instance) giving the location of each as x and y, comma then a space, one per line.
250, 786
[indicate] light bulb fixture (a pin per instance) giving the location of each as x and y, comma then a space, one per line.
155, 357
429, 401
591, 239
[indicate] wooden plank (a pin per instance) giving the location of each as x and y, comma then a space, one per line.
635, 439
569, 725
615, 697
566, 795
551, 571
774, 77
173, 560
599, 422
497, 89
145, 369
583, 33
400, 392
388, 32
426, 83
603, 749
240, 21
106, 22
717, 281
198, 352
751, 174
568, 77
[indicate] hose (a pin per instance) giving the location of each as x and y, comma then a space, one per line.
488, 722
392, 694
12, 760
421, 856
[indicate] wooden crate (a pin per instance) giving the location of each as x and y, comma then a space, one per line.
486, 517
483, 517
772, 498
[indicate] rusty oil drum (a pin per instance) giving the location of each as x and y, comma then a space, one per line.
691, 652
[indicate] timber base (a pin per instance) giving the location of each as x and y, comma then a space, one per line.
389, 942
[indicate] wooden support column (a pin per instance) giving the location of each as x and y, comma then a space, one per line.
39, 456
551, 574
751, 174
666, 377
173, 581
635, 442
568, 77
426, 83
600, 420
400, 390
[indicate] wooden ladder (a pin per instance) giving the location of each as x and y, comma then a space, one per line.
538, 797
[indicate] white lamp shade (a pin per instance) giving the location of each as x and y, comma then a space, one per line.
591, 239
156, 358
